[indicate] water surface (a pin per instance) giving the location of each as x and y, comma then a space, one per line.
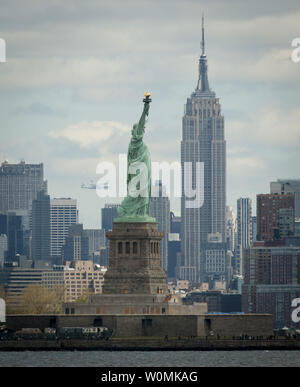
150, 359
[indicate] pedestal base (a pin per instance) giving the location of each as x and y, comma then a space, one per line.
134, 260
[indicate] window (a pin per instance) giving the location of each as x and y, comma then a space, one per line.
120, 248
127, 248
98, 322
134, 248
146, 322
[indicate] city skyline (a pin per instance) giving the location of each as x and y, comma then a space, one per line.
175, 232
61, 90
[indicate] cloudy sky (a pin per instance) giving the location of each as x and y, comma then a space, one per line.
76, 71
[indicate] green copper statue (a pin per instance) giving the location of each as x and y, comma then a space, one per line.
135, 206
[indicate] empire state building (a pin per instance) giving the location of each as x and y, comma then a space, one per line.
203, 254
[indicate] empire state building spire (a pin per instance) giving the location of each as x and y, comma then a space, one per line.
203, 42
203, 85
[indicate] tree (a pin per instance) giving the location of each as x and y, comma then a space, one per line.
2, 293
85, 296
37, 299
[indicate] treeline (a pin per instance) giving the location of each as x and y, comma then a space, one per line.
38, 299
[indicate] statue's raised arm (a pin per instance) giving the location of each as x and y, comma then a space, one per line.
139, 129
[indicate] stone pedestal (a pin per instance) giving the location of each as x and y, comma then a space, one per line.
135, 282
135, 261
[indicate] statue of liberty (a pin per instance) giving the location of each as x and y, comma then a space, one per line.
135, 206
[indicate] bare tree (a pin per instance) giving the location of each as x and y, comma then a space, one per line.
37, 299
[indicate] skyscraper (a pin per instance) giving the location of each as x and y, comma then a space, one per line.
244, 220
203, 247
253, 229
96, 240
230, 228
244, 231
272, 280
12, 226
175, 223
288, 186
76, 247
108, 213
174, 245
63, 213
3, 248
173, 251
41, 227
160, 210
268, 215
19, 185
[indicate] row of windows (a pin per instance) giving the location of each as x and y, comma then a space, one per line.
125, 248
154, 247
132, 247
73, 287
83, 276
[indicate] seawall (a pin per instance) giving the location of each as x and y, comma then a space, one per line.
148, 344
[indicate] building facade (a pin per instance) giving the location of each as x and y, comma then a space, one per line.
254, 229
244, 232
297, 227
160, 210
108, 213
288, 186
96, 240
244, 222
40, 246
76, 247
272, 280
19, 185
78, 278
174, 248
175, 223
12, 226
63, 213
3, 248
230, 228
268, 214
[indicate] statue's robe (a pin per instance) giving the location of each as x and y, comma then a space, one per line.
136, 204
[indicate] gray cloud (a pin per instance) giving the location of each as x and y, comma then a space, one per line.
73, 61
37, 108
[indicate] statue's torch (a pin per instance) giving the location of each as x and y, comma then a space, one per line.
147, 98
